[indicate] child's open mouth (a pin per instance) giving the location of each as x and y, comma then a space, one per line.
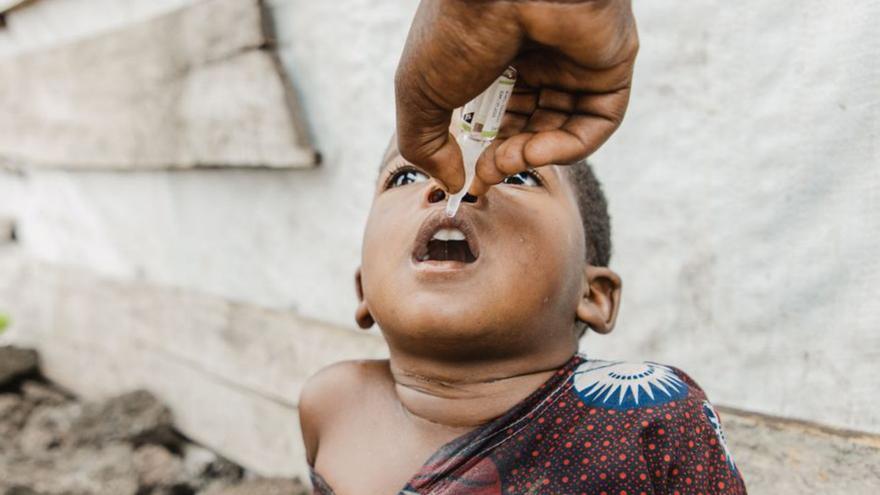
445, 239
449, 245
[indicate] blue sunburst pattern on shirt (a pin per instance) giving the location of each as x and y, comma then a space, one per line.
715, 421
622, 385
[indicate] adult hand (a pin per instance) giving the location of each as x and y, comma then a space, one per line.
574, 60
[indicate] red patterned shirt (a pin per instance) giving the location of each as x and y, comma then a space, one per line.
594, 428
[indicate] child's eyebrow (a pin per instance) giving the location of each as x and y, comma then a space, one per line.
390, 156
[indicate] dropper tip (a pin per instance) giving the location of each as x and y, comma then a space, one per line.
452, 206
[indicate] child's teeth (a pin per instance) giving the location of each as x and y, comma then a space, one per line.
449, 235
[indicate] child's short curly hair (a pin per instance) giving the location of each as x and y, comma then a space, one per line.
594, 212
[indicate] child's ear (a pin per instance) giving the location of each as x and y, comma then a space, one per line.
601, 298
362, 314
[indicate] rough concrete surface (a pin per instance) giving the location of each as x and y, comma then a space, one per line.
778, 456
190, 88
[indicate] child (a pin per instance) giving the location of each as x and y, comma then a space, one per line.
484, 392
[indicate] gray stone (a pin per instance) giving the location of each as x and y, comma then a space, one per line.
16, 362
20, 490
134, 417
266, 486
48, 428
223, 470
107, 470
14, 413
54, 445
157, 467
43, 394
197, 459
204, 467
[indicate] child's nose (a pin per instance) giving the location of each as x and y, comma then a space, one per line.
436, 195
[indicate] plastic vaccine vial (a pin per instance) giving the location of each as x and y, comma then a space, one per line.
478, 126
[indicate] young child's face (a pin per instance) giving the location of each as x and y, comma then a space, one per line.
511, 277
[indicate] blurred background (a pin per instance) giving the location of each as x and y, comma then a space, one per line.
183, 187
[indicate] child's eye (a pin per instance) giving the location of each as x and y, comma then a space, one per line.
404, 176
526, 178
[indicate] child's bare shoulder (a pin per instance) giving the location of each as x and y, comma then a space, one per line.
322, 399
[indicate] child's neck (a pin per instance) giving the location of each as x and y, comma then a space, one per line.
464, 395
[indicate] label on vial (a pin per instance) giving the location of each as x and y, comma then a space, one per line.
481, 117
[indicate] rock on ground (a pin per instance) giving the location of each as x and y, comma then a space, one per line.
14, 413
259, 487
16, 362
85, 471
136, 417
48, 428
156, 466
43, 394
51, 444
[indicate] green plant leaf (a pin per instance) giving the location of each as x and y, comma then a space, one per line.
4, 322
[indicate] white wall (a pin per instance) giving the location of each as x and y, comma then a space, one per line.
744, 187
44, 23
280, 239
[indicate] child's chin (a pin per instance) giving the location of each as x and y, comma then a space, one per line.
450, 341
451, 320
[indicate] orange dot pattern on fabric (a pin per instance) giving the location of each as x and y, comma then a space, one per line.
652, 451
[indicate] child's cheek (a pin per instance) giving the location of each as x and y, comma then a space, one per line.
544, 250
